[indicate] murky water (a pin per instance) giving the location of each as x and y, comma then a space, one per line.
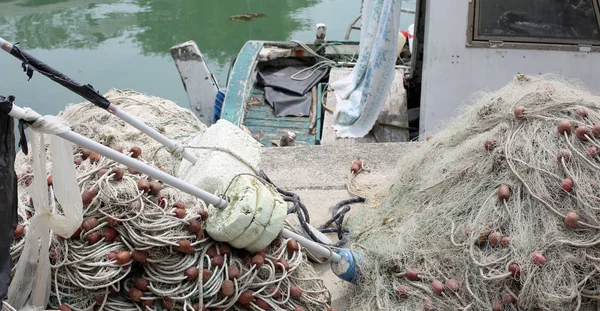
125, 43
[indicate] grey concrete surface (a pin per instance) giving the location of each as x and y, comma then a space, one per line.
319, 174
327, 167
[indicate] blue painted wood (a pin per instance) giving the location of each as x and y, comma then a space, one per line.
265, 112
239, 89
266, 127
258, 117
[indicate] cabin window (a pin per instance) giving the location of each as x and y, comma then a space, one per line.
574, 22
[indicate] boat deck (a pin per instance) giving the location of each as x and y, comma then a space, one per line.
245, 103
268, 129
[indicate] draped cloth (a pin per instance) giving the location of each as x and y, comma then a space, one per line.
361, 95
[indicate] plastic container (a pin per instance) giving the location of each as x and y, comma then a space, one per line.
219, 99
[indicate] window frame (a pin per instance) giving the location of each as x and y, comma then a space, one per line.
480, 41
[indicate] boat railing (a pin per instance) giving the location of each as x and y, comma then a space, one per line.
353, 25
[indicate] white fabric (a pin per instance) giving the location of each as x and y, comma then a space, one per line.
361, 95
46, 124
30, 287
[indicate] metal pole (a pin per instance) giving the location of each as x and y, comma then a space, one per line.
19, 113
169, 144
314, 247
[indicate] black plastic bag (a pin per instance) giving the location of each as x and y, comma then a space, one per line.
8, 197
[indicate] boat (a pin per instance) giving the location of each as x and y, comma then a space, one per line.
245, 101
444, 69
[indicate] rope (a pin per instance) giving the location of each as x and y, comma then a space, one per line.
80, 269
304, 218
325, 62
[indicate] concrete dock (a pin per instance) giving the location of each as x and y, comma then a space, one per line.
319, 175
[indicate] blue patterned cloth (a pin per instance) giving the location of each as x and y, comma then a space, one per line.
361, 94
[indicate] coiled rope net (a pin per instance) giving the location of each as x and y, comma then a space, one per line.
498, 211
142, 245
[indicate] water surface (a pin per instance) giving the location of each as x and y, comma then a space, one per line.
125, 43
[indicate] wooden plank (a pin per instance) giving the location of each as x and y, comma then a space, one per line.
342, 49
266, 127
394, 112
280, 126
241, 83
263, 112
199, 83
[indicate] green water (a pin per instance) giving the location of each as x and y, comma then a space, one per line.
125, 43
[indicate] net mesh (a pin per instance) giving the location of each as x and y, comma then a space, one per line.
142, 243
496, 190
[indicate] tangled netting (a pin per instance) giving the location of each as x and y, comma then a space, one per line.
142, 245
163, 115
498, 211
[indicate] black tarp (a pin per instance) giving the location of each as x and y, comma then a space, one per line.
8, 196
287, 96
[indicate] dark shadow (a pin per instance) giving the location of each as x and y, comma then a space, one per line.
552, 19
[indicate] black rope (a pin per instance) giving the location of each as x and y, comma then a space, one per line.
337, 218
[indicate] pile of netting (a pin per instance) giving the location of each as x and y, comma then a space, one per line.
142, 245
498, 211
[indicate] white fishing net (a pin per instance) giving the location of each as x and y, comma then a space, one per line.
499, 189
142, 244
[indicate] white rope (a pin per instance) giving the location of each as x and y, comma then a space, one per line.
325, 62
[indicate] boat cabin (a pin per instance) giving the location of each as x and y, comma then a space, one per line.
463, 47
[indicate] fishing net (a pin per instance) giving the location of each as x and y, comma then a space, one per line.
142, 243
498, 211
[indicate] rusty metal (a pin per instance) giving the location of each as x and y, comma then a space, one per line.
352, 26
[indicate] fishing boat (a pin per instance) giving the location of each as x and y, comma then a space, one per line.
505, 46
443, 70
300, 115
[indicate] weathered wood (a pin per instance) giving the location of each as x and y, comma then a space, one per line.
268, 129
392, 117
199, 83
243, 75
276, 52
342, 49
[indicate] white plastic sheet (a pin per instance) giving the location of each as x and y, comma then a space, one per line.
30, 287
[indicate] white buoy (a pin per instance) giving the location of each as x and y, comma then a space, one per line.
321, 33
253, 220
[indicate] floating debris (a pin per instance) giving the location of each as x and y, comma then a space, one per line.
246, 16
